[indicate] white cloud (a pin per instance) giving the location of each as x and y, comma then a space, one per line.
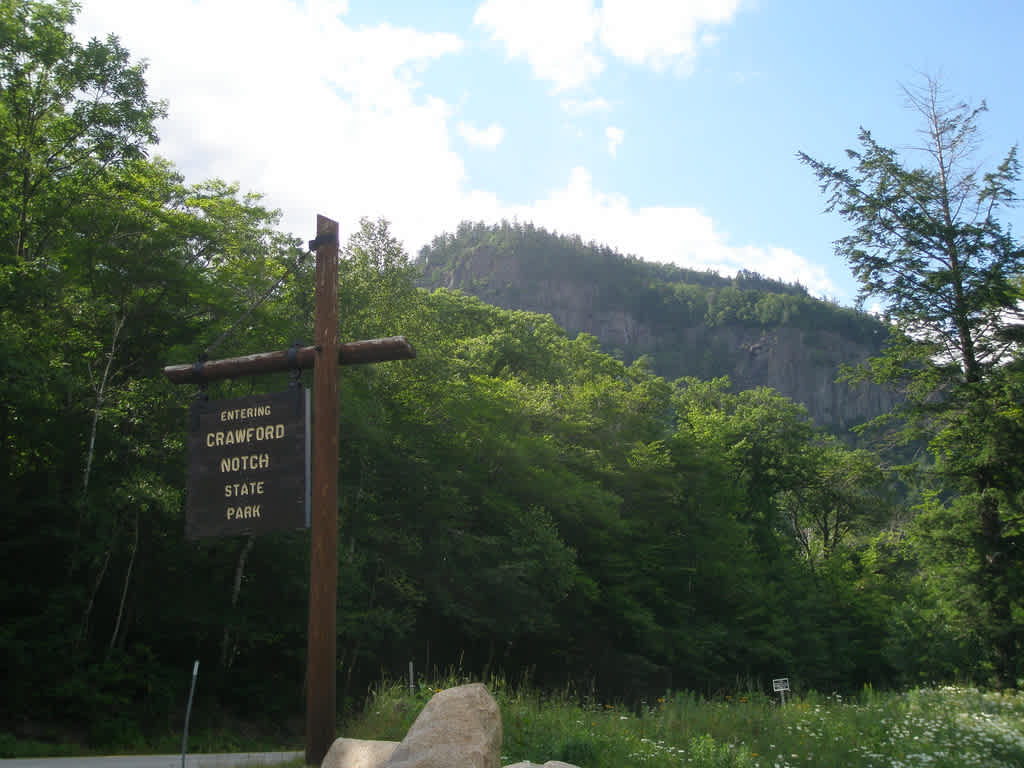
708, 39
289, 100
554, 36
562, 39
676, 235
576, 107
661, 33
484, 138
615, 137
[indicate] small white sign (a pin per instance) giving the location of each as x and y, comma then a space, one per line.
780, 684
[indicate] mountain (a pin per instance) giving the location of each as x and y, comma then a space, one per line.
756, 330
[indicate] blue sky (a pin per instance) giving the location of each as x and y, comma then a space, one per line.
665, 128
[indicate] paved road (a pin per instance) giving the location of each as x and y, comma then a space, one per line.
155, 761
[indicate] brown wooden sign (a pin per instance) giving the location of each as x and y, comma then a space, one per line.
247, 465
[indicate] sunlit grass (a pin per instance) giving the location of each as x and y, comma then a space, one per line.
944, 726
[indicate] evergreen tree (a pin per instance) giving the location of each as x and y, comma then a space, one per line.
928, 243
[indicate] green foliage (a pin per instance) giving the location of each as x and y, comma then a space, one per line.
68, 112
946, 726
927, 242
521, 266
514, 500
540, 727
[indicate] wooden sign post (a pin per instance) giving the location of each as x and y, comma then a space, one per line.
324, 358
321, 659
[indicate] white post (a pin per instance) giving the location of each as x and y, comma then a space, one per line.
781, 685
188, 712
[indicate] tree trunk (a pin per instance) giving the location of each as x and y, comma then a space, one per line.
486, 674
226, 649
124, 590
26, 186
83, 631
349, 669
996, 587
100, 390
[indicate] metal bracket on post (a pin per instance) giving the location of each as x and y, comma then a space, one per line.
293, 365
324, 238
198, 368
301, 403
202, 395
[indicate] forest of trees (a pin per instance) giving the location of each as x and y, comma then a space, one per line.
513, 500
657, 294
687, 322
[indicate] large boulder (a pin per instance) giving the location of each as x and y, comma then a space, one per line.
459, 728
358, 753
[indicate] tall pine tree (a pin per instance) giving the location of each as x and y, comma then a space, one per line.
927, 242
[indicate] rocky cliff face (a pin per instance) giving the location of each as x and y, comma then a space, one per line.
801, 363
804, 367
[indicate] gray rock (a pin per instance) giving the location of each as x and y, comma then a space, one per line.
459, 728
358, 753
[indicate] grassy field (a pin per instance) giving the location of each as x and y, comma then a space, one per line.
940, 726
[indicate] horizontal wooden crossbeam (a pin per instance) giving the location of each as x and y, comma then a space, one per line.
351, 353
